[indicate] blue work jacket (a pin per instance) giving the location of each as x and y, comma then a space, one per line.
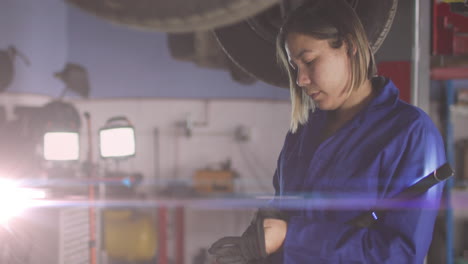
386, 147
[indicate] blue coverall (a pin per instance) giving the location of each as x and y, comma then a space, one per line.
386, 147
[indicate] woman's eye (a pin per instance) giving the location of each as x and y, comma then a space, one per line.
309, 62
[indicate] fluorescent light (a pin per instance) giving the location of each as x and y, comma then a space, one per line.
117, 142
61, 146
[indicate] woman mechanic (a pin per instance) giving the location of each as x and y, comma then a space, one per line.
350, 134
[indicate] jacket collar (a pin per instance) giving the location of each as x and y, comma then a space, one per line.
387, 96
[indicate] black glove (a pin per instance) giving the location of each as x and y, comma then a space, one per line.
241, 250
248, 248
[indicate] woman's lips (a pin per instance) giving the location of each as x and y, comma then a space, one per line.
314, 95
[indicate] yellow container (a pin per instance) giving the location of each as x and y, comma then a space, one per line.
129, 236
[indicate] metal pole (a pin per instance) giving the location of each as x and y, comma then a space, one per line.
91, 195
449, 140
162, 235
180, 230
420, 73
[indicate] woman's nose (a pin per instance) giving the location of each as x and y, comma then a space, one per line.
302, 78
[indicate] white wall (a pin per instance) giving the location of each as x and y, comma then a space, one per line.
212, 140
211, 143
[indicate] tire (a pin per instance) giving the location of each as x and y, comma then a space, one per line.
173, 15
256, 52
377, 18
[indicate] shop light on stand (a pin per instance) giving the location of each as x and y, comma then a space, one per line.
117, 139
61, 146
61, 138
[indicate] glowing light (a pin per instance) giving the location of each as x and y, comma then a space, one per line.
117, 142
14, 200
61, 146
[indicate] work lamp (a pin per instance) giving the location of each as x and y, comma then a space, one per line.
61, 121
61, 146
117, 139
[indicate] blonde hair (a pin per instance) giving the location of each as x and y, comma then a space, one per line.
333, 20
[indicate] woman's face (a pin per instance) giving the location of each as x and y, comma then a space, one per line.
322, 71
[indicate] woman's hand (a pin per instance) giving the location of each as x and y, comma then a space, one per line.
275, 234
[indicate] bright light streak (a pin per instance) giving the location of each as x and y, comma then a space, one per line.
117, 142
61, 146
14, 200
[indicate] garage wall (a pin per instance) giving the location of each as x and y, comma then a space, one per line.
165, 151
212, 142
166, 156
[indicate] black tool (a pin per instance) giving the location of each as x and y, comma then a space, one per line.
442, 173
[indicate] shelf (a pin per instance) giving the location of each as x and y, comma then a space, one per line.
461, 110
449, 73
449, 61
446, 67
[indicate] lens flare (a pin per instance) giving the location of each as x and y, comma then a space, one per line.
14, 199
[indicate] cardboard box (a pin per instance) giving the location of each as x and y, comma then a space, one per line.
214, 181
